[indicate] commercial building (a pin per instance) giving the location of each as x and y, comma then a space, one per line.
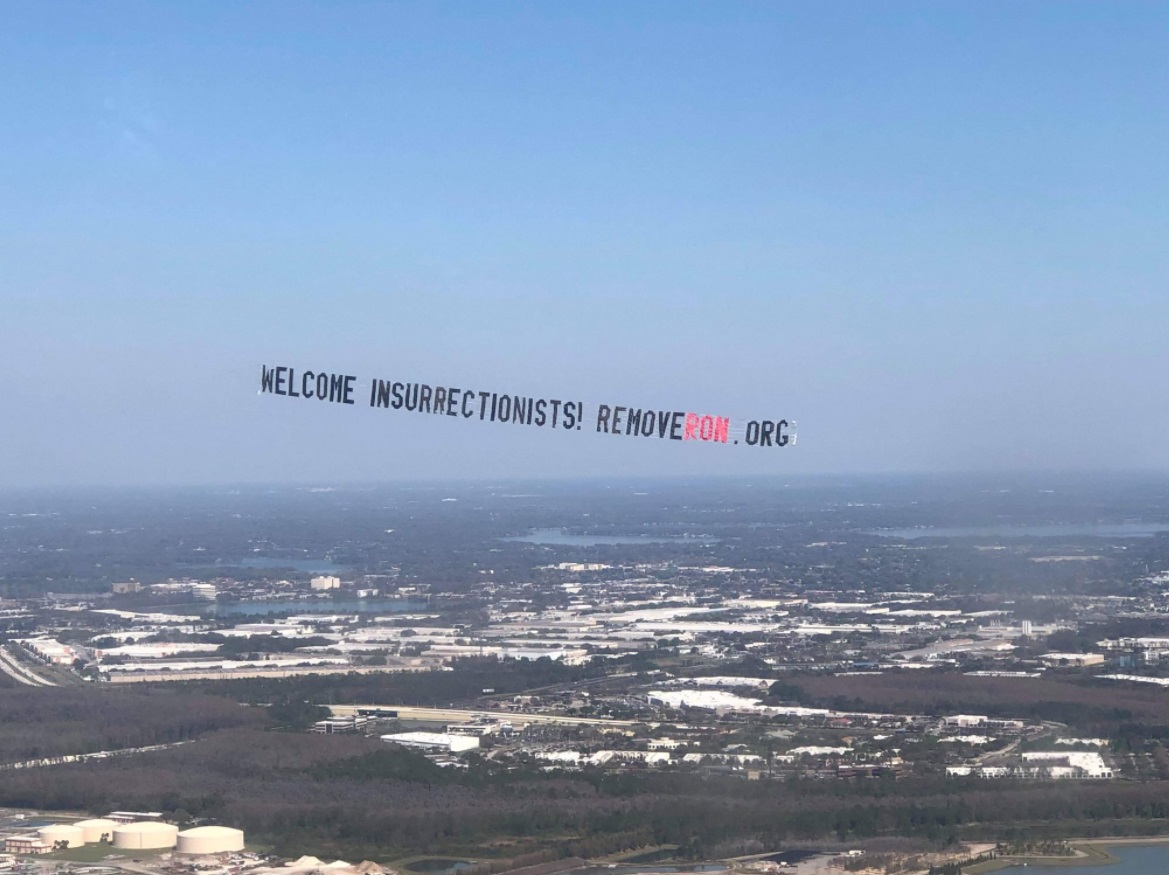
26, 844
341, 725
1072, 764
965, 721
204, 591
49, 650
1072, 660
435, 741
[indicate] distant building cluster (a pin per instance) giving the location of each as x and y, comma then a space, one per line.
48, 650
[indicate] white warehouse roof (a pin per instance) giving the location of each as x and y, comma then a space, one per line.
434, 741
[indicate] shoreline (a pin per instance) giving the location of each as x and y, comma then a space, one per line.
1090, 852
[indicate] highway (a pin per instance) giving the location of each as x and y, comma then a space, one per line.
11, 667
458, 715
84, 757
137, 677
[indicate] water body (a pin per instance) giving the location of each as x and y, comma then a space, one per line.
1056, 530
437, 866
650, 857
561, 538
315, 606
791, 857
647, 870
1131, 860
35, 823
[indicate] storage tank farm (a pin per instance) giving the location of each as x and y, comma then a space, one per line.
146, 835
210, 840
62, 832
97, 828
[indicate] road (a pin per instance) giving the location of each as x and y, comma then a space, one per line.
11, 667
991, 756
458, 715
82, 757
137, 677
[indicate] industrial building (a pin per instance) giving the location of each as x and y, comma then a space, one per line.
210, 840
26, 844
62, 835
98, 829
146, 835
133, 816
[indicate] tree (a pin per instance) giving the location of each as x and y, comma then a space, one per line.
298, 714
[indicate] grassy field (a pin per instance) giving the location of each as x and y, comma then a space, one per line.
98, 852
1087, 855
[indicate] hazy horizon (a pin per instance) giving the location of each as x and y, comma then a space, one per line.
1001, 480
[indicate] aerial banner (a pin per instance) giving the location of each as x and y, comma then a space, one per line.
402, 397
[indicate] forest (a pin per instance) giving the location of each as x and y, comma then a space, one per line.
54, 721
1090, 706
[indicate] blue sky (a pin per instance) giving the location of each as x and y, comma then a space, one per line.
933, 233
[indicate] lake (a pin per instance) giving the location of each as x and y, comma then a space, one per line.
560, 538
1131, 860
624, 869
791, 857
438, 865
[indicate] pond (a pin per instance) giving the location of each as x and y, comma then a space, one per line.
438, 866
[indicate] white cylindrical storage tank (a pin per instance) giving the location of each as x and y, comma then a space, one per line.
210, 840
96, 828
62, 832
145, 835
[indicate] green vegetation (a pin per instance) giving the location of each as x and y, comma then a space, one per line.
96, 853
1092, 707
47, 722
289, 712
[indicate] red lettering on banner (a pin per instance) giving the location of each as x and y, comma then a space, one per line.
722, 428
